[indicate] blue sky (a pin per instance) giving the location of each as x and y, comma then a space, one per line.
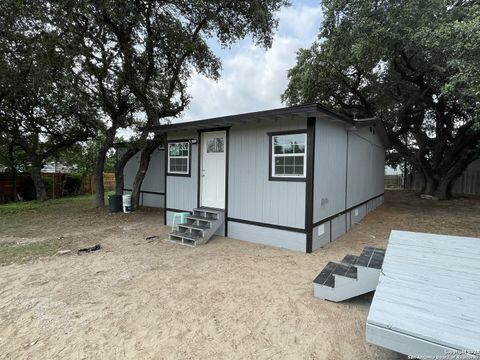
253, 78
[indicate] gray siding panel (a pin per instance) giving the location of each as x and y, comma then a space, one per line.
338, 226
154, 180
182, 190
267, 236
366, 164
330, 169
151, 200
321, 236
252, 196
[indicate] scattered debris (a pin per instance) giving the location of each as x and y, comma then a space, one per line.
90, 249
152, 238
428, 197
63, 252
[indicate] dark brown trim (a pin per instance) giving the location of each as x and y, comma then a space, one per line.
189, 174
176, 210
225, 128
287, 132
310, 164
199, 165
227, 161
280, 178
320, 222
271, 226
165, 180
146, 192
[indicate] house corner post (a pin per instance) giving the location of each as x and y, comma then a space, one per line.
310, 162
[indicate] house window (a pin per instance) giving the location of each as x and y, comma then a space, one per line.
179, 158
288, 156
215, 145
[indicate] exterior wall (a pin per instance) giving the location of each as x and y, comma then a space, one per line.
321, 235
182, 190
252, 196
267, 236
330, 169
153, 186
366, 166
268, 205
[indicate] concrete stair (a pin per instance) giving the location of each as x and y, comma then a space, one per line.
353, 276
199, 227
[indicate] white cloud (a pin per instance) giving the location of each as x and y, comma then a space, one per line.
252, 78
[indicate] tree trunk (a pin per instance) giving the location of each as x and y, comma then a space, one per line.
36, 175
99, 167
148, 149
119, 166
13, 170
14, 183
430, 186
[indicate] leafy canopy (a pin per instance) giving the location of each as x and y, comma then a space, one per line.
413, 63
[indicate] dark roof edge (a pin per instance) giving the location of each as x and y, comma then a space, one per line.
243, 116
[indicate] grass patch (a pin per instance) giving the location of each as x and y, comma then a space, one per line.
19, 207
12, 252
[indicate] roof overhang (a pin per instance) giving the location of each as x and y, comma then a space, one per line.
280, 113
379, 126
309, 110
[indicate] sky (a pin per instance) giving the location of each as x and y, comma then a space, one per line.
253, 78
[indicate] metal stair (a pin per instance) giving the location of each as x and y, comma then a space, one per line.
199, 227
354, 276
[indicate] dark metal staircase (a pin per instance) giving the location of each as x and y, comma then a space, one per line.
199, 227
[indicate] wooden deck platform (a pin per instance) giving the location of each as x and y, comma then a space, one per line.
428, 298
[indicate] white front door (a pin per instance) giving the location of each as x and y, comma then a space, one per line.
213, 169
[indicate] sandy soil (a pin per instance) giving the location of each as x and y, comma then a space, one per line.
227, 299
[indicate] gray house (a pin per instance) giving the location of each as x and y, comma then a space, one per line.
296, 177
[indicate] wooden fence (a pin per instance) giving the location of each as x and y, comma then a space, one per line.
56, 185
88, 183
393, 181
467, 184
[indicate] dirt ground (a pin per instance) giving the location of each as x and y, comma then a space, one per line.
227, 299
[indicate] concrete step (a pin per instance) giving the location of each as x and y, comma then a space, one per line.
184, 238
185, 227
207, 213
199, 218
199, 227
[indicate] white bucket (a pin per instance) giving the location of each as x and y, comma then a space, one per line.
127, 203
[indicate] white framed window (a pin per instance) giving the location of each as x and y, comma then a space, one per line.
288, 156
179, 158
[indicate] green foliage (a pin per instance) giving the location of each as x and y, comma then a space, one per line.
18, 208
12, 252
413, 63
